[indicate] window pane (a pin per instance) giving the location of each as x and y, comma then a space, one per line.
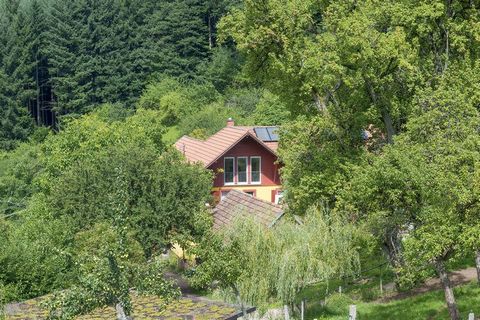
255, 165
242, 169
228, 170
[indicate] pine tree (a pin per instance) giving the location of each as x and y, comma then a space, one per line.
65, 57
179, 37
15, 122
15, 87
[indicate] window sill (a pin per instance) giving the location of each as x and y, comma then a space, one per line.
242, 184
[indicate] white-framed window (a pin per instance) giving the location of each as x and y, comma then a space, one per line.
250, 192
229, 170
255, 170
242, 170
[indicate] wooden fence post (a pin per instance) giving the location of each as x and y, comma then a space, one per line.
352, 314
286, 312
381, 287
302, 310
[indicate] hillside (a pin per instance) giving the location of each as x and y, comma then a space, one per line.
348, 130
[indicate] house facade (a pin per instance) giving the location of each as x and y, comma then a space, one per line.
242, 158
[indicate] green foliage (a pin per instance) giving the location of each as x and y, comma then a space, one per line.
17, 170
424, 306
163, 193
110, 112
62, 195
34, 248
176, 100
361, 62
270, 111
64, 58
423, 185
15, 123
338, 303
318, 158
222, 69
210, 120
107, 270
260, 264
95, 240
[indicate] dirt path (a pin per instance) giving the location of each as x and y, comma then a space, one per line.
456, 278
180, 281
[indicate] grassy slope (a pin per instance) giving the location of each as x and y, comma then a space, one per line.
363, 293
426, 306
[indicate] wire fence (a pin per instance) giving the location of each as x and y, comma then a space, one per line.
352, 281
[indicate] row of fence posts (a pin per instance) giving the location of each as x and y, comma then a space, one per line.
352, 312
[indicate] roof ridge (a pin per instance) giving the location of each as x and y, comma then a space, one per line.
214, 147
230, 147
261, 200
191, 138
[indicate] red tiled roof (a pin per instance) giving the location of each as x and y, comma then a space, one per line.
215, 146
238, 203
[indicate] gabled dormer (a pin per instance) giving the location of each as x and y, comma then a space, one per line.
242, 157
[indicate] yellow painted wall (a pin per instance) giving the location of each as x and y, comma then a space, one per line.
262, 192
181, 253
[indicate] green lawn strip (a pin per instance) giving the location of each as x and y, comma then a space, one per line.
430, 305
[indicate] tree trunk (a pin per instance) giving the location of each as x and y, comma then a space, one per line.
477, 264
386, 117
387, 121
121, 315
302, 310
37, 81
393, 247
449, 296
319, 101
210, 33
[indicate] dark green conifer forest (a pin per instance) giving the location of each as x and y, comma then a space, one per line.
61, 59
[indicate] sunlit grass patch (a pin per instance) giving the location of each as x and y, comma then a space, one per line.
429, 305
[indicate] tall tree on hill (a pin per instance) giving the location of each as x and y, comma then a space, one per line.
423, 185
74, 55
40, 103
360, 61
353, 65
15, 122
17, 85
214, 11
63, 46
181, 37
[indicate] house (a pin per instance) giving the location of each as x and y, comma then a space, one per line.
242, 158
237, 203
